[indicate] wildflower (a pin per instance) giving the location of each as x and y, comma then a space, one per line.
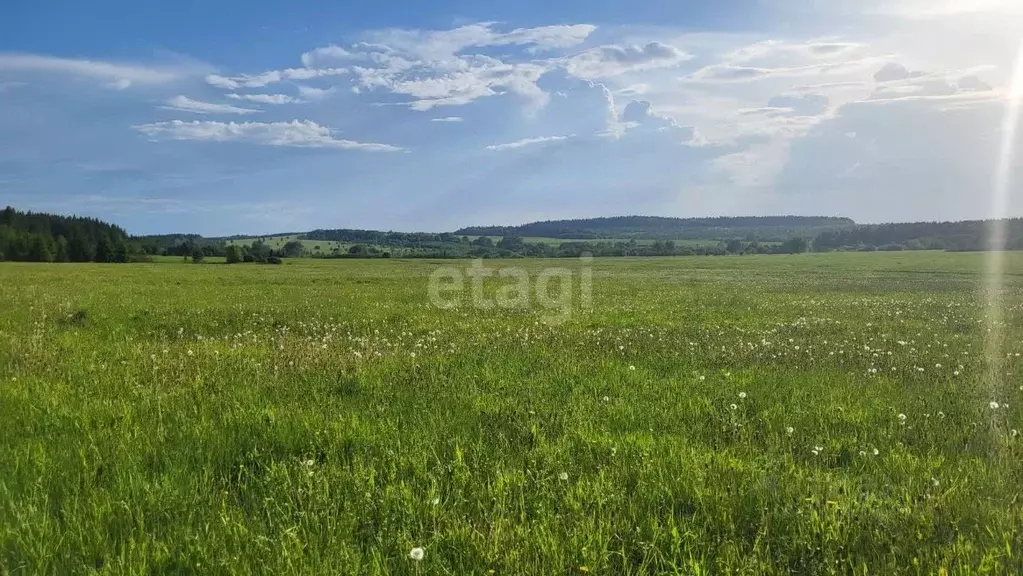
563, 476
902, 418
935, 482
607, 399
742, 395
876, 452
417, 554
993, 405
733, 407
790, 430
702, 378
862, 453
435, 501
631, 367
941, 414
817, 450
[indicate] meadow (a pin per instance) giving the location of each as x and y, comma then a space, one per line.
811, 414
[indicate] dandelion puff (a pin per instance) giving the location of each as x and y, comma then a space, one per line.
742, 395
417, 554
993, 405
876, 452
563, 476
862, 453
789, 430
733, 407
902, 417
631, 367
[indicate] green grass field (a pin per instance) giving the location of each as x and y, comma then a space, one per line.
813, 414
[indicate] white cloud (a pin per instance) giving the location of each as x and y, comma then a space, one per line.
447, 119
778, 52
526, 142
608, 61
266, 98
730, 73
442, 44
314, 58
264, 79
117, 75
186, 104
313, 94
296, 134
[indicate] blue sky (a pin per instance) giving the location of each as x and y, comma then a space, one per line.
257, 117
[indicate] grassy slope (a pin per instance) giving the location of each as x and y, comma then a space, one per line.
307, 417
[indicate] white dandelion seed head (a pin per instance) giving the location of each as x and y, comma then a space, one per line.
417, 554
902, 417
733, 407
993, 405
742, 395
876, 452
789, 430
563, 476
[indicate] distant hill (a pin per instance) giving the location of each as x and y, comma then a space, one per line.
764, 228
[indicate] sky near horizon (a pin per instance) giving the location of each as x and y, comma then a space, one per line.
227, 117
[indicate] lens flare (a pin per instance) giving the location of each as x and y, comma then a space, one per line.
998, 231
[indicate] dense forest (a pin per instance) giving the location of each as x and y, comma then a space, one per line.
36, 237
762, 228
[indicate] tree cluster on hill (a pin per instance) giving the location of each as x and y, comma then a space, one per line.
971, 235
762, 228
39, 237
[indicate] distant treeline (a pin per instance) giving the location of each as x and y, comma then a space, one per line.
762, 228
37, 237
970, 235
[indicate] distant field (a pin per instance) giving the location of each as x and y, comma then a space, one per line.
806, 414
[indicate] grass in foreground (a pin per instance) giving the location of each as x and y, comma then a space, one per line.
811, 414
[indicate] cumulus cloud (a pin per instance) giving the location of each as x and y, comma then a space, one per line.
266, 98
608, 61
186, 104
526, 142
117, 75
330, 53
296, 134
639, 117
